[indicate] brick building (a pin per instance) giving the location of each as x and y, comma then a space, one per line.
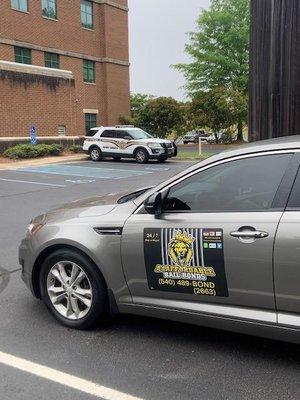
63, 65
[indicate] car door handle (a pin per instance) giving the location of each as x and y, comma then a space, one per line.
249, 234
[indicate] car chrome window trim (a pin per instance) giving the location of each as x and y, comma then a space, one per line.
220, 162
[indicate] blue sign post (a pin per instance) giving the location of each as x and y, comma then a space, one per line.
33, 138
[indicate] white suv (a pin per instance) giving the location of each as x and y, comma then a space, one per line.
127, 142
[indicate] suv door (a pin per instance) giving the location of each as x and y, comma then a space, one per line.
124, 142
211, 249
287, 261
110, 143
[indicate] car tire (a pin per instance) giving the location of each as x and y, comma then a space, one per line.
185, 142
141, 156
162, 159
56, 282
95, 153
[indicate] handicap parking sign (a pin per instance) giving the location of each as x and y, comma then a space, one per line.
33, 138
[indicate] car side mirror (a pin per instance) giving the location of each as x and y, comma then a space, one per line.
153, 205
127, 137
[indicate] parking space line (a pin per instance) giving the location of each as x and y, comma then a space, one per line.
64, 379
86, 172
32, 183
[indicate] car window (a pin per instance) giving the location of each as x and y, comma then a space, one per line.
109, 134
241, 185
91, 133
294, 201
123, 135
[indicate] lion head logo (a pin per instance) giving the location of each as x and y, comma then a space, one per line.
180, 248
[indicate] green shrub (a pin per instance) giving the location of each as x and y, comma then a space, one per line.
75, 148
30, 151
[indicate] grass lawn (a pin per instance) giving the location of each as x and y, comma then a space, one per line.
192, 155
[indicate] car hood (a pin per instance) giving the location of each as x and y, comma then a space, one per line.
90, 207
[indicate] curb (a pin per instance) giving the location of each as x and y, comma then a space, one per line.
43, 161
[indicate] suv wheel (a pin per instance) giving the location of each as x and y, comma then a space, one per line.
141, 156
95, 154
73, 289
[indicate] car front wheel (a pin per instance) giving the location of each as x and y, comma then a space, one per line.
141, 156
73, 289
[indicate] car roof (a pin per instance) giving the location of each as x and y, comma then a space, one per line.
281, 143
98, 128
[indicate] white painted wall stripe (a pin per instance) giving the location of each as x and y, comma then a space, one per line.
64, 379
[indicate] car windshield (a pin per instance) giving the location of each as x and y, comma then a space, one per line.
139, 134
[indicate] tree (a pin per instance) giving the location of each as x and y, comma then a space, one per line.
218, 108
159, 116
219, 49
138, 101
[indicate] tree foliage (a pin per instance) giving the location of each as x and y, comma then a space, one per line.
219, 51
219, 108
219, 48
160, 116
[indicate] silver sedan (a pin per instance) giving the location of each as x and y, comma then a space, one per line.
216, 245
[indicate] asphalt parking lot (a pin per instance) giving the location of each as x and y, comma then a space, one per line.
139, 357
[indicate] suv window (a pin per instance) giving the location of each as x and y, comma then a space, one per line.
91, 132
294, 201
109, 134
123, 135
241, 185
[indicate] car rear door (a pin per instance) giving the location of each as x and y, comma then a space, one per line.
287, 261
211, 250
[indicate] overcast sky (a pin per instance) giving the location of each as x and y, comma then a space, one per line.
157, 30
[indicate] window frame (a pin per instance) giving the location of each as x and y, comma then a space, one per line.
47, 8
279, 202
84, 14
88, 129
86, 69
47, 53
16, 48
18, 7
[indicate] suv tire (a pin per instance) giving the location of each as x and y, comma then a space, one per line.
91, 289
95, 153
141, 156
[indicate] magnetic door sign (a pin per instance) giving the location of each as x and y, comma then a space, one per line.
185, 260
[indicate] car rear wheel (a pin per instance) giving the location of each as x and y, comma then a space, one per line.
73, 289
141, 156
95, 154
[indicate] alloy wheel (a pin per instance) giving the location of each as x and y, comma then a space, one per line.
69, 290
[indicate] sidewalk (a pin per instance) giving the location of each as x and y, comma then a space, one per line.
12, 164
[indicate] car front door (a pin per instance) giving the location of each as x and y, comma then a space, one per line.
211, 249
286, 262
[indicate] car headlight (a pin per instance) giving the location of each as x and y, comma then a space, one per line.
33, 228
154, 145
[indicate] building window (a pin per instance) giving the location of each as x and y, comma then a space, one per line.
22, 55
52, 60
49, 9
21, 5
86, 14
88, 71
90, 122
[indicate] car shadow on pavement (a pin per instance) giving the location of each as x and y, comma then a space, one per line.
199, 336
